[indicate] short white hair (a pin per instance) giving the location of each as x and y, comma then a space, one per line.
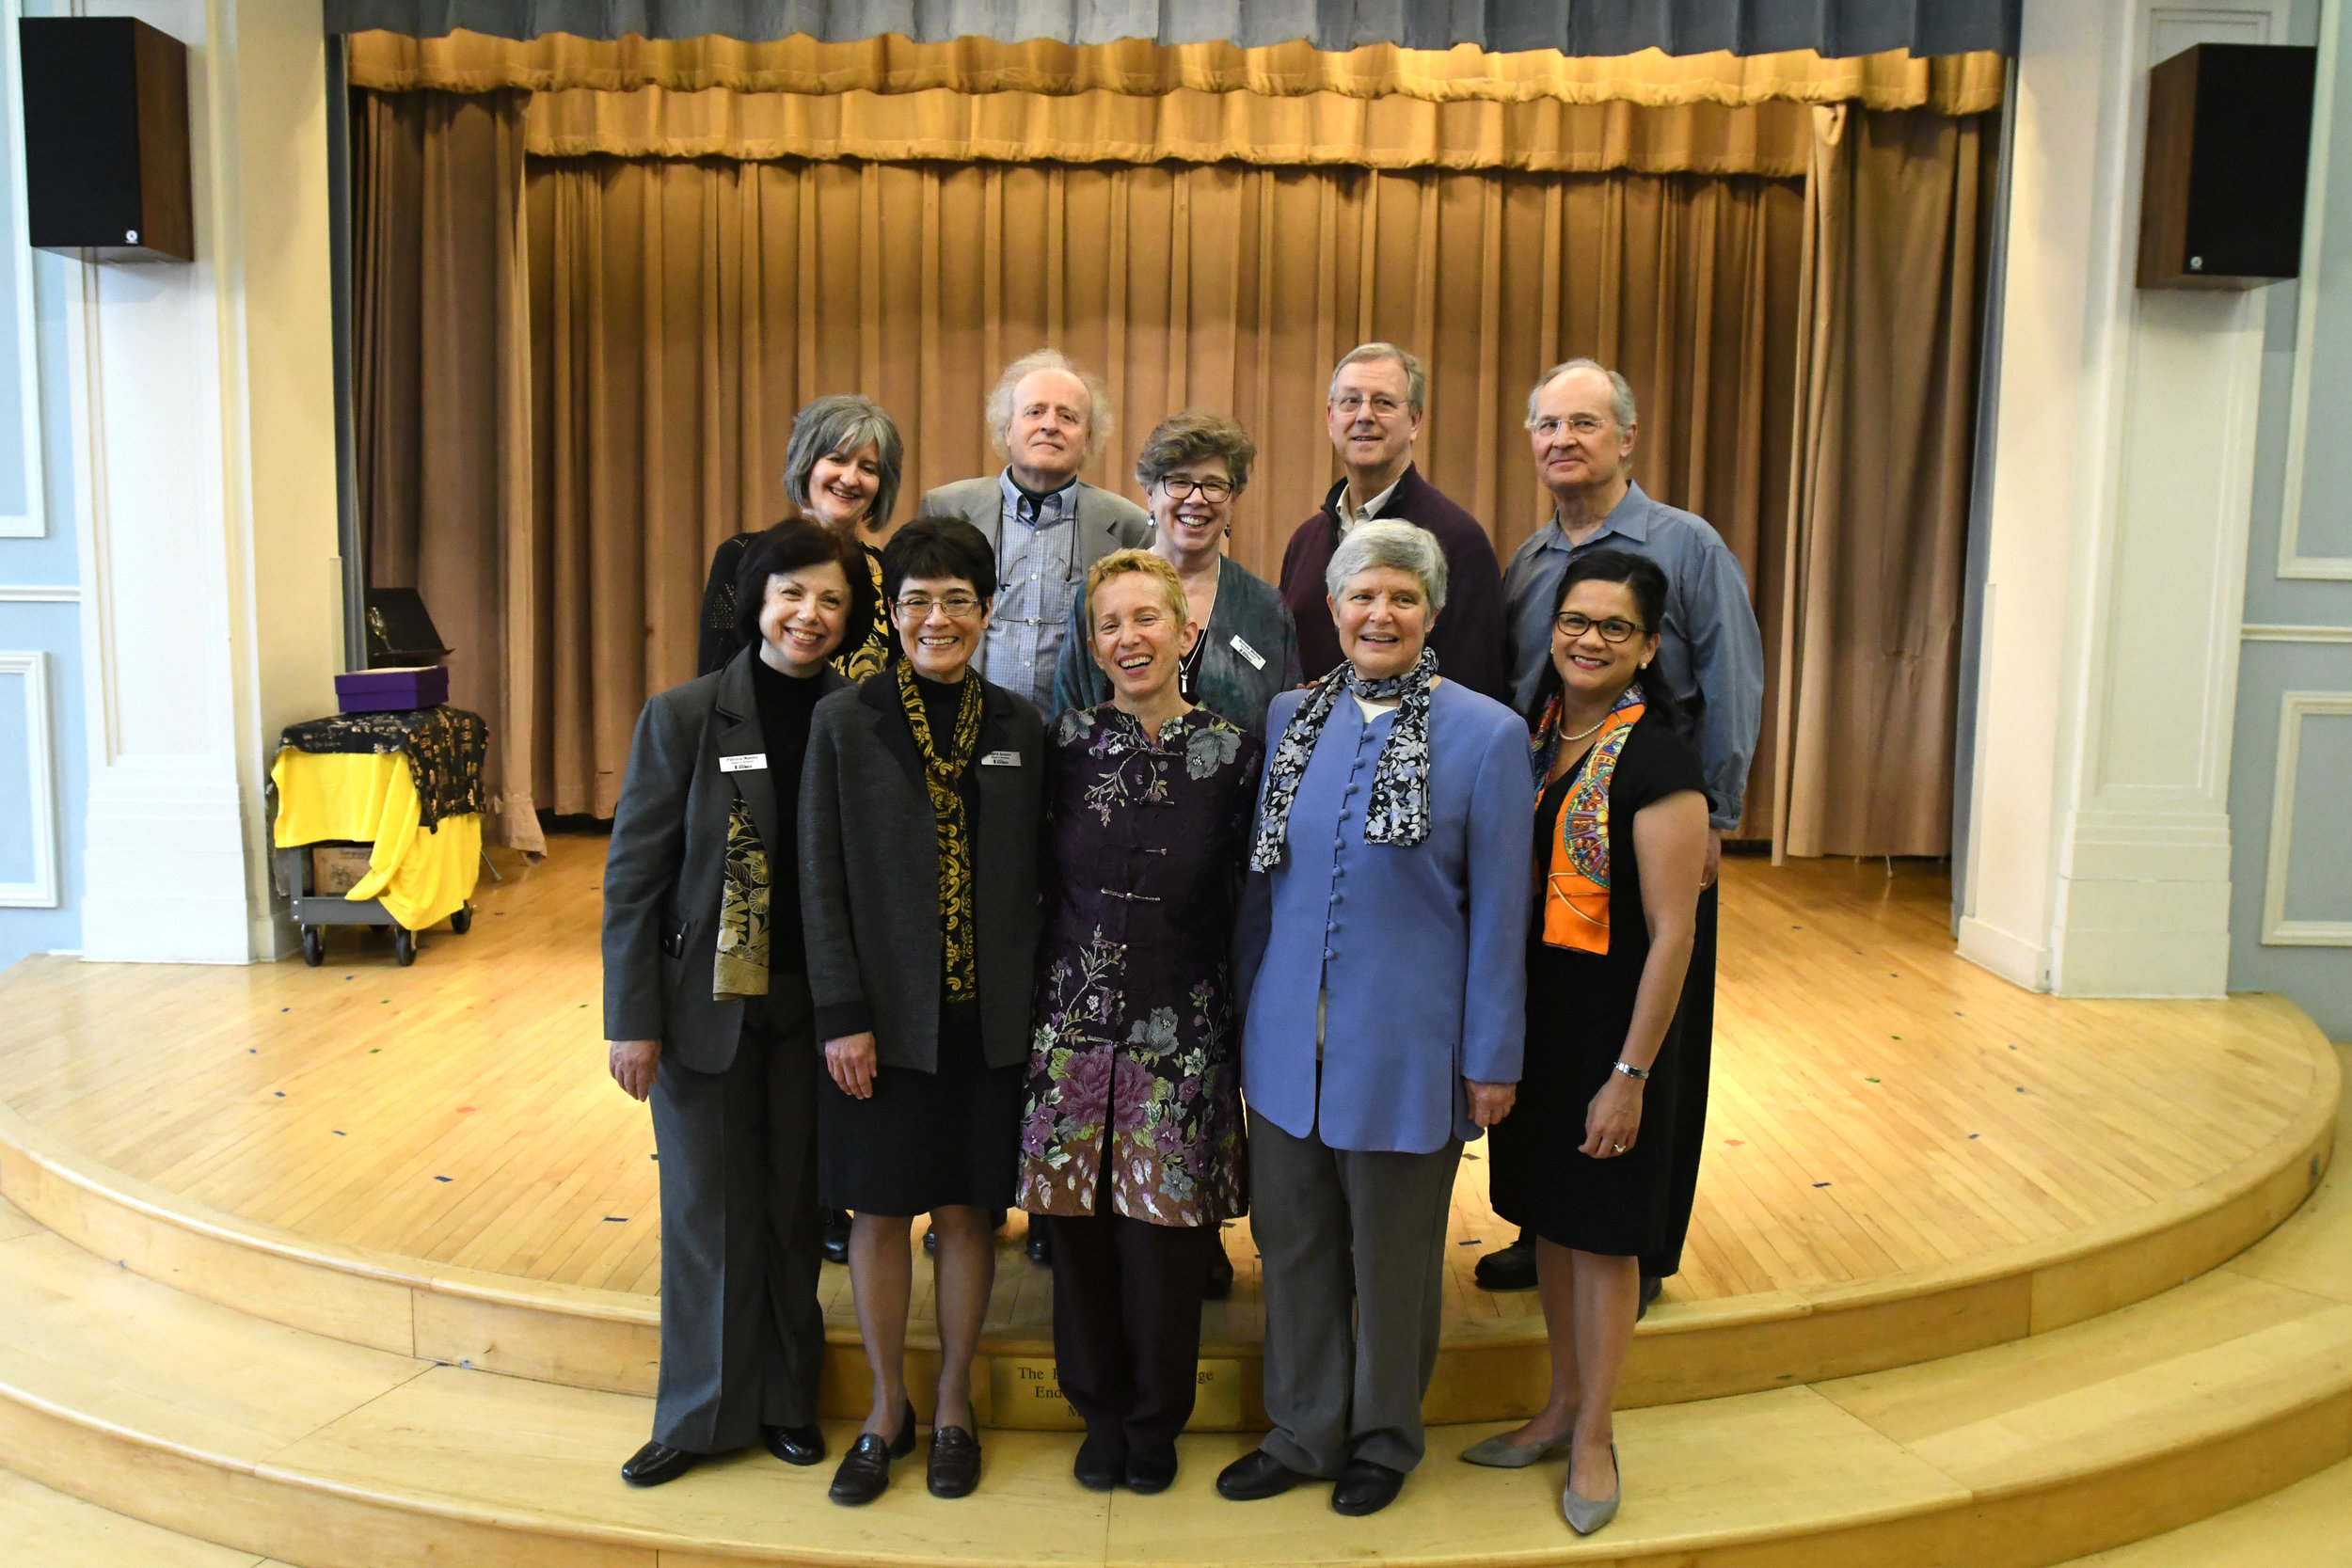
1000, 409
1389, 542
1416, 378
1620, 390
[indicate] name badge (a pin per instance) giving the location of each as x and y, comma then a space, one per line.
750, 762
1001, 759
1257, 660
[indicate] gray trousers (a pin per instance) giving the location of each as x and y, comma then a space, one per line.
742, 1239
1349, 1229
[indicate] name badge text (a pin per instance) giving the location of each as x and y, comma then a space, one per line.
1257, 660
750, 762
1001, 759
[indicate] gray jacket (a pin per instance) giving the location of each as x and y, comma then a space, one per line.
1106, 522
668, 858
869, 875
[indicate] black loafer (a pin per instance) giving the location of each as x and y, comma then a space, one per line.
1365, 1487
1100, 1464
865, 1472
796, 1445
837, 1236
1040, 1248
1148, 1473
657, 1463
1511, 1268
1255, 1475
955, 1467
1220, 1281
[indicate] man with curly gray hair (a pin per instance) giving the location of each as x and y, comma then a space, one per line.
1047, 419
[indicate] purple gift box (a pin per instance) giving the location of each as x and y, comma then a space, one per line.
391, 690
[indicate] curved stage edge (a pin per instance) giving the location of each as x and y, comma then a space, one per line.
609, 1340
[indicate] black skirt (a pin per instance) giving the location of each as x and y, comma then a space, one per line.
924, 1140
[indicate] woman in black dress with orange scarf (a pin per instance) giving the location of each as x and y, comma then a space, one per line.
1620, 842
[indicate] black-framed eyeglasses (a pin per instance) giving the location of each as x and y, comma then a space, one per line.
1569, 624
1180, 487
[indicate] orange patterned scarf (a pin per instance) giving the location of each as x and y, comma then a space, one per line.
1576, 881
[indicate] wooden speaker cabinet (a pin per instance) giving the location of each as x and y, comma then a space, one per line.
2228, 136
106, 139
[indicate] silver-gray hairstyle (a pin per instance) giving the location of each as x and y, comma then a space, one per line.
1620, 390
1000, 409
844, 423
1389, 542
1415, 379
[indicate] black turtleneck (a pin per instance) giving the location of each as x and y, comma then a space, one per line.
785, 704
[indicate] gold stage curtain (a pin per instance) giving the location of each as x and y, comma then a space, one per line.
473, 62
683, 311
1326, 128
1897, 208
441, 351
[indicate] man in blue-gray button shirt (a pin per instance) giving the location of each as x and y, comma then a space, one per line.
1711, 656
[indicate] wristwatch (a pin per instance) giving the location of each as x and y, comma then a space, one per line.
1630, 1070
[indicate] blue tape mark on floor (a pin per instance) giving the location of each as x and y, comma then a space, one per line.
341, 1133
616, 1219
281, 1094
1821, 1184
440, 1178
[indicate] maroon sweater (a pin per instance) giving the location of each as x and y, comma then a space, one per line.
1468, 634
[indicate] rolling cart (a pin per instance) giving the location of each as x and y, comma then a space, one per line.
313, 911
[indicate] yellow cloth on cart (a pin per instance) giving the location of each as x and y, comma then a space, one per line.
421, 875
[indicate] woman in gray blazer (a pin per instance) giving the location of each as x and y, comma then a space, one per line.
707, 1007
918, 886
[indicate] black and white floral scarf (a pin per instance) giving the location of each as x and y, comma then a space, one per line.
1399, 813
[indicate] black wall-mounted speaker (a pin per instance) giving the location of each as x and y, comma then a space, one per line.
2229, 141
106, 139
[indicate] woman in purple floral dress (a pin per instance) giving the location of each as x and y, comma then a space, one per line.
1132, 1150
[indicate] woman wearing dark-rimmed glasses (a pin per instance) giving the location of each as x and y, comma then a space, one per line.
919, 870
1620, 844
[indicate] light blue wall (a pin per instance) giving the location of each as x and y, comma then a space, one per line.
2318, 882
52, 629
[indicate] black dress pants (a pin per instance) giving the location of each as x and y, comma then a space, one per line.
1127, 1323
1697, 1048
743, 1239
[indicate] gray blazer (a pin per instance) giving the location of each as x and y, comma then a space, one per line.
1106, 522
662, 874
869, 875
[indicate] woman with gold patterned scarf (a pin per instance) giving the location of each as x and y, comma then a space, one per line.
919, 869
707, 1007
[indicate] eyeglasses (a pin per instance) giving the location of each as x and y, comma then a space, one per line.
1578, 424
1181, 488
1352, 403
917, 607
1570, 624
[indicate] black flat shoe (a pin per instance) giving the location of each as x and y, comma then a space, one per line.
1652, 1285
1040, 1248
1256, 1475
1148, 1473
955, 1462
1365, 1487
837, 1236
657, 1463
865, 1472
1220, 1281
795, 1444
1100, 1464
1511, 1268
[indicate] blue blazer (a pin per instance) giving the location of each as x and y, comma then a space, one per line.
1422, 953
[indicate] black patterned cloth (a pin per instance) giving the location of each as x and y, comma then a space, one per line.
446, 746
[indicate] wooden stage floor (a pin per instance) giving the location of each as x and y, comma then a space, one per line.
1880, 1108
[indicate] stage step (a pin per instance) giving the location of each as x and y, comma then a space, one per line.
41, 1528
2308, 1525
312, 1450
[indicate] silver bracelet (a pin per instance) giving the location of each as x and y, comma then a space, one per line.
1633, 1071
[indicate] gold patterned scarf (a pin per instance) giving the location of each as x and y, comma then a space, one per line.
941, 769
742, 969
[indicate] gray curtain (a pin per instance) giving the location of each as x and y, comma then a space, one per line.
1838, 28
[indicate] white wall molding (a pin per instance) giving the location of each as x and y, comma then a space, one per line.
41, 593
2277, 929
32, 520
40, 890
2293, 563
2264, 632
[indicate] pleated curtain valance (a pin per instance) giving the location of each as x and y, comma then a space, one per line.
1838, 28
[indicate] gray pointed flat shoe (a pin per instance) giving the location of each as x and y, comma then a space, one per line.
1587, 1514
1495, 1454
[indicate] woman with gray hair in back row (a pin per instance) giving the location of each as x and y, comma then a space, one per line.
1380, 973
